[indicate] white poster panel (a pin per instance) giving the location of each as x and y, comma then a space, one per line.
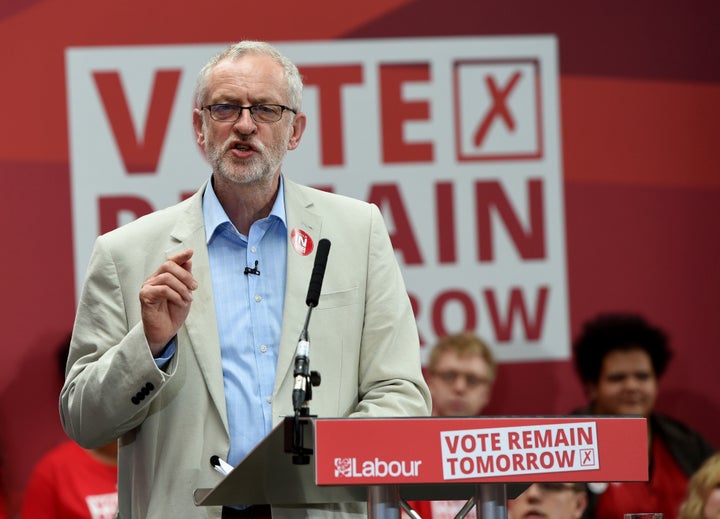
457, 140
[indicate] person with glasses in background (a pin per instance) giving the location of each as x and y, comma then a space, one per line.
550, 501
188, 322
460, 373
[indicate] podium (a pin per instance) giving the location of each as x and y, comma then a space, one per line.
386, 462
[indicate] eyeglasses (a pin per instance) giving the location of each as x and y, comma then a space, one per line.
449, 377
262, 113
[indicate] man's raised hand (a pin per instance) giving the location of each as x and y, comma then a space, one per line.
165, 299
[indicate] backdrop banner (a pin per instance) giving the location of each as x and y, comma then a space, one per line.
455, 139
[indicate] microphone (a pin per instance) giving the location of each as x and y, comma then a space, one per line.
318, 273
302, 357
253, 270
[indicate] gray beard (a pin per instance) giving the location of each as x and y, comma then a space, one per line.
259, 169
248, 173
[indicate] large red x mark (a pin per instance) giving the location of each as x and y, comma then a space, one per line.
499, 107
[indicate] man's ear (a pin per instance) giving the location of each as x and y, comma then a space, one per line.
197, 119
199, 130
297, 129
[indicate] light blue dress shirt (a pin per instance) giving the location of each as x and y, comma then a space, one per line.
249, 315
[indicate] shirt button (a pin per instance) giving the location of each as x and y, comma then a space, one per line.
253, 250
263, 348
258, 299
269, 400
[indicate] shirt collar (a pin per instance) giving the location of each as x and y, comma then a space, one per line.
215, 216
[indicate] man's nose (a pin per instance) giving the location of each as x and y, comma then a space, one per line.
245, 122
533, 493
632, 382
460, 383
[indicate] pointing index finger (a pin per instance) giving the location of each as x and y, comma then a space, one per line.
184, 260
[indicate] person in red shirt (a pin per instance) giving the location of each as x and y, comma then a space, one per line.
70, 482
620, 359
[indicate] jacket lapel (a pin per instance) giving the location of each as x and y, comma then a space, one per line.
201, 323
300, 218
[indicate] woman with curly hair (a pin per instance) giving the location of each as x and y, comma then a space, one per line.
703, 492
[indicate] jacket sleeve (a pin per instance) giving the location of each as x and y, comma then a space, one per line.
111, 376
390, 373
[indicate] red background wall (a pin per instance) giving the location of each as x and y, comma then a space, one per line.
640, 96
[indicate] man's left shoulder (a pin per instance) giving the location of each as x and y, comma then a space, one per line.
329, 198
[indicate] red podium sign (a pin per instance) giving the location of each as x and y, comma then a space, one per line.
480, 450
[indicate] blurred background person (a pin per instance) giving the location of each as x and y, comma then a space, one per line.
550, 501
460, 374
620, 358
70, 482
703, 492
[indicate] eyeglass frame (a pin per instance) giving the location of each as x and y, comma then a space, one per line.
250, 108
450, 376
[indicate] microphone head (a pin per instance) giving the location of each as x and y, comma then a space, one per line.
318, 273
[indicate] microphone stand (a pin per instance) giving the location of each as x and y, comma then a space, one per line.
301, 399
304, 378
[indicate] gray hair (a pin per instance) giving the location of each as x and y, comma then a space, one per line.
241, 48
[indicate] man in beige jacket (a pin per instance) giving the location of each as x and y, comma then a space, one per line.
183, 355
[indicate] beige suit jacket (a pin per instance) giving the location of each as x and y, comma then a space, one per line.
170, 421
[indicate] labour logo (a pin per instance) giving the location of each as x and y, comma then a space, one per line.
343, 467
